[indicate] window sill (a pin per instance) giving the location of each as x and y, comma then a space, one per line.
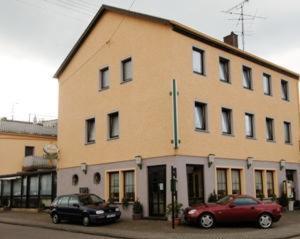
199, 73
268, 94
249, 137
286, 100
227, 134
270, 141
226, 82
201, 130
126, 81
103, 89
246, 88
114, 138
287, 143
90, 143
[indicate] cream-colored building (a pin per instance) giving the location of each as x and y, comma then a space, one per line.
139, 94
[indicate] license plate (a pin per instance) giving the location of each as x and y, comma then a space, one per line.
111, 215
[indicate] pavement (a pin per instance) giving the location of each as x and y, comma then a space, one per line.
288, 227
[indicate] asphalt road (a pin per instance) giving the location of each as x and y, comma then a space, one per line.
20, 232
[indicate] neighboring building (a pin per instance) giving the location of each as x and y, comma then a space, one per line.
27, 180
232, 125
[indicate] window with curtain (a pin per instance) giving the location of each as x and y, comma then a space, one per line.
6, 187
259, 183
104, 78
236, 181
222, 182
270, 129
24, 186
200, 116
226, 121
46, 184
284, 90
287, 132
17, 185
224, 69
34, 186
247, 81
270, 183
198, 57
129, 193
249, 125
90, 131
267, 84
113, 125
114, 190
127, 70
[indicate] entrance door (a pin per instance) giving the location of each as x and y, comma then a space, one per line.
157, 190
195, 183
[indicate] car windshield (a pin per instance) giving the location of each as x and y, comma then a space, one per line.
90, 200
225, 200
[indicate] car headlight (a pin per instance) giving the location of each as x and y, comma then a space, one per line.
117, 209
192, 211
99, 212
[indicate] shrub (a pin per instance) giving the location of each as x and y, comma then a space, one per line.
137, 207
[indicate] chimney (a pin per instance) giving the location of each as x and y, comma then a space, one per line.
232, 39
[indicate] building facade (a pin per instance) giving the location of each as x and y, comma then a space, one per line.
139, 94
27, 179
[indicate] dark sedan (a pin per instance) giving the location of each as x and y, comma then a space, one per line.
87, 208
234, 208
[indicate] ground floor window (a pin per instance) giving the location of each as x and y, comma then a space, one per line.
270, 183
222, 182
195, 184
259, 183
114, 192
236, 181
129, 185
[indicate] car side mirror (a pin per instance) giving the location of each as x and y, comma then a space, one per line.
231, 205
76, 205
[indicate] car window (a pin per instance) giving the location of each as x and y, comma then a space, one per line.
90, 200
54, 203
244, 201
63, 201
225, 200
73, 200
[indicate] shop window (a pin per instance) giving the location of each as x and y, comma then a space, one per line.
34, 186
270, 183
46, 185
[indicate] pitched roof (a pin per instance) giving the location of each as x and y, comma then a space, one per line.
20, 127
180, 28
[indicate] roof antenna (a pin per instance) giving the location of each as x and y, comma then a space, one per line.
239, 10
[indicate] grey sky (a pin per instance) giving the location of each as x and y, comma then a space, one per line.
36, 35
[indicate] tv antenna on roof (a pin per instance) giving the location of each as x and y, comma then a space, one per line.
239, 11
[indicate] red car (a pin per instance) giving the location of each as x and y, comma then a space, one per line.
234, 208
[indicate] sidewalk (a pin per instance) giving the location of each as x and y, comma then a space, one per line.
288, 227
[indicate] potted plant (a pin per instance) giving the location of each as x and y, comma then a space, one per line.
125, 203
261, 196
213, 197
137, 210
177, 210
273, 197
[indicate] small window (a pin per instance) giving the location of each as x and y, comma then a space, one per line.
249, 125
114, 187
200, 116
259, 183
224, 69
226, 121
267, 84
104, 78
270, 183
287, 132
198, 61
270, 129
29, 151
75, 180
244, 201
236, 181
129, 193
284, 90
222, 182
97, 178
113, 125
247, 78
90, 131
127, 70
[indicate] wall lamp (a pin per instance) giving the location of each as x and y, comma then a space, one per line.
83, 167
282, 164
249, 162
211, 159
139, 161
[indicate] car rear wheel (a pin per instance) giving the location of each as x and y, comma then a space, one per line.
207, 220
265, 221
55, 218
86, 220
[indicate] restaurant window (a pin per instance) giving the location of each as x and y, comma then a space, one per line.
270, 129
17, 185
287, 132
222, 182
224, 69
29, 151
284, 90
104, 78
90, 131
247, 78
46, 185
34, 186
249, 125
127, 70
236, 181
114, 193
198, 61
267, 84
226, 121
259, 183
113, 126
129, 193
270, 183
200, 116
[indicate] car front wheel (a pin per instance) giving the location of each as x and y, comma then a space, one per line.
265, 221
55, 218
207, 220
86, 221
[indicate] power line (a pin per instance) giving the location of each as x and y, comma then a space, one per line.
76, 6
67, 7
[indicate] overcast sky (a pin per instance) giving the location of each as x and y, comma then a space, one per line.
36, 35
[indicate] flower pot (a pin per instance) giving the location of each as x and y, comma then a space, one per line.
177, 221
137, 216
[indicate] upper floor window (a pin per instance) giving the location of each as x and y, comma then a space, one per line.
90, 130
29, 151
284, 90
224, 69
267, 84
247, 78
249, 125
127, 70
198, 61
226, 121
104, 78
270, 129
200, 116
113, 119
287, 132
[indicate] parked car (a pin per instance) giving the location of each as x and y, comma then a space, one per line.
234, 208
87, 208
